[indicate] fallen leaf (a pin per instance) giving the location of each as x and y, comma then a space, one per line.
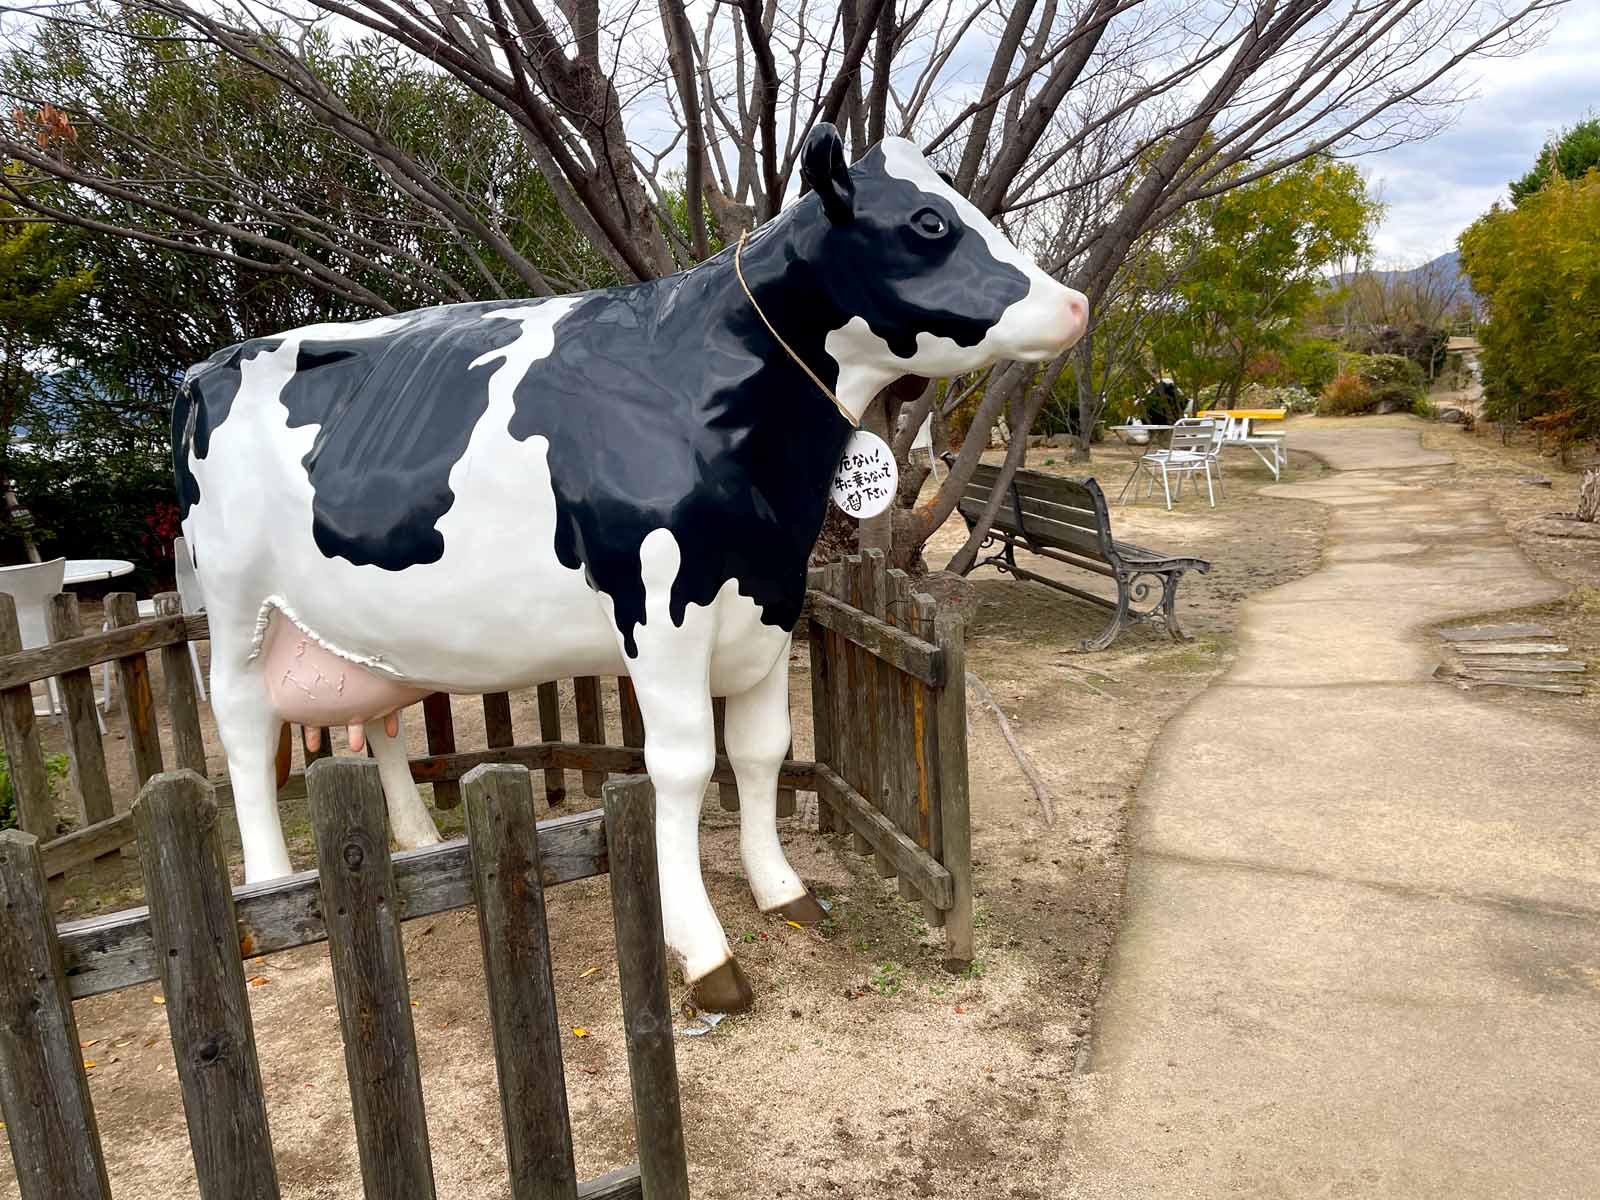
89, 1063
414, 1004
589, 972
258, 980
794, 924
86, 1045
585, 1070
579, 1031
158, 999
446, 1025
959, 1009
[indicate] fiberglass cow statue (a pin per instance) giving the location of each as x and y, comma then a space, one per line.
483, 497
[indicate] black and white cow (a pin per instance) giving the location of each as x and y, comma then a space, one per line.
481, 497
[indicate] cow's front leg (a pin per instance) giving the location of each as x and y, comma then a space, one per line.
758, 741
409, 819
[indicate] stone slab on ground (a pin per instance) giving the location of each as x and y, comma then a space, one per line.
1361, 948
1495, 633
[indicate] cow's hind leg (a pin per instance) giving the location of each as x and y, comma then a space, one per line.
758, 740
249, 727
672, 678
409, 819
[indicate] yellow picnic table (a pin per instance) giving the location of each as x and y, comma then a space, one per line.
1239, 426
1247, 414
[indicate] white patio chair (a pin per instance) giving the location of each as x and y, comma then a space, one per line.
193, 601
31, 585
924, 441
1193, 451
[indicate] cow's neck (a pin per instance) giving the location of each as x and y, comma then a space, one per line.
843, 352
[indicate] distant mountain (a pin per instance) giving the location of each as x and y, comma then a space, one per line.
1442, 274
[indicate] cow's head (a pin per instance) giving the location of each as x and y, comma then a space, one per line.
930, 285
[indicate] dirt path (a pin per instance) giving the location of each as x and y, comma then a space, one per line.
1360, 952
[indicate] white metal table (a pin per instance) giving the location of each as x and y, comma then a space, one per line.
92, 570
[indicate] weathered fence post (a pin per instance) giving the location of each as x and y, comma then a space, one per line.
138, 704
441, 728
632, 718
30, 784
630, 810
591, 726
369, 978
504, 846
86, 751
196, 941
555, 779
44, 1090
727, 793
821, 696
498, 731
955, 817
925, 748
183, 704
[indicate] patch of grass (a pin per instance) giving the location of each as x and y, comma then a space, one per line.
887, 978
55, 770
976, 969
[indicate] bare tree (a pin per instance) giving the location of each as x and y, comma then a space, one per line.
1095, 122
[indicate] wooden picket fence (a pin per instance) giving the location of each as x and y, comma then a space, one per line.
889, 720
888, 708
197, 931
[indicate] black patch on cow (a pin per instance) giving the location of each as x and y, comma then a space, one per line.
203, 404
667, 405
394, 412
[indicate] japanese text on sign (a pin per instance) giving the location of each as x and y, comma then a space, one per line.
864, 482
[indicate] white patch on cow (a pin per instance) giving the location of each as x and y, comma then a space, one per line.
1047, 321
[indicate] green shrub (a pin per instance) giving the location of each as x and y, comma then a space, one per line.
1292, 398
55, 767
1392, 380
1346, 395
1314, 362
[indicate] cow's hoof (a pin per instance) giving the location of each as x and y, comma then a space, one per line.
803, 911
725, 990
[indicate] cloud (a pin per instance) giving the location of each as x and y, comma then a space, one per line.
1435, 189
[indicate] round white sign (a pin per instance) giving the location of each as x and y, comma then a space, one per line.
864, 483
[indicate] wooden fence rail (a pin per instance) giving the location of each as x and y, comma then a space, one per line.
198, 931
888, 710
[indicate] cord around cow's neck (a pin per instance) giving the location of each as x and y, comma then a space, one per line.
738, 269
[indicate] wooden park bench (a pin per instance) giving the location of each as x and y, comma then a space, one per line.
197, 930
1066, 520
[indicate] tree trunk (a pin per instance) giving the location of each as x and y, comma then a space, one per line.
1088, 405
1589, 495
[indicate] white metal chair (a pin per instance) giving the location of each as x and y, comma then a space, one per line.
193, 601
31, 585
1193, 451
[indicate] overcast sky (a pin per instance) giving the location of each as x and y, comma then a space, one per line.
1435, 189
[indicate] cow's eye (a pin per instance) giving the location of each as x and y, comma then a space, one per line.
929, 223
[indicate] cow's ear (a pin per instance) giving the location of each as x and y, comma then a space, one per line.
824, 171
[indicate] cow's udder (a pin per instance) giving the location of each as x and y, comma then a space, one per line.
312, 685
